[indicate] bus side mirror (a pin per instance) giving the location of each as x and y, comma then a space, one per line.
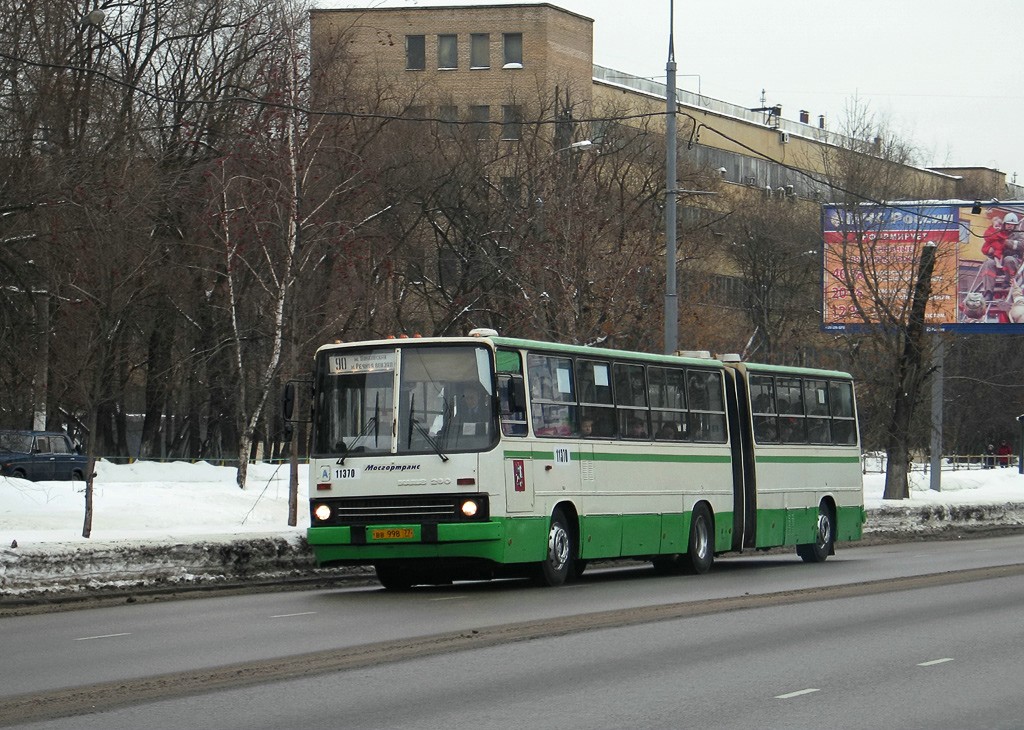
288, 401
513, 394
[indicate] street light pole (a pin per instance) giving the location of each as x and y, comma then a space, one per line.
671, 303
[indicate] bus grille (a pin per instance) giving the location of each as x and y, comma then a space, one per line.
418, 509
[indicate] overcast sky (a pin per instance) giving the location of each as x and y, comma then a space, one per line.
943, 75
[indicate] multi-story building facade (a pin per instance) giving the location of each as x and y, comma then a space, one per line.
494, 62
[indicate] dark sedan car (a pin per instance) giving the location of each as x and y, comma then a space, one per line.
39, 456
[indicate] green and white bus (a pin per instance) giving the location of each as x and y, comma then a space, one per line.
440, 459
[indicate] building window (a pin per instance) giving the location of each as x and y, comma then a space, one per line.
449, 116
511, 122
513, 50
413, 114
479, 50
415, 52
480, 116
447, 51
510, 190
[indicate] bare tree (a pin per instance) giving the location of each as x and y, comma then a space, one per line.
775, 243
884, 284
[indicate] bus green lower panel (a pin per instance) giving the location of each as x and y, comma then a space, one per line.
786, 526
502, 540
850, 523
600, 536
800, 526
641, 534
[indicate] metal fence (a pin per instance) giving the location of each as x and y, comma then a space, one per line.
874, 463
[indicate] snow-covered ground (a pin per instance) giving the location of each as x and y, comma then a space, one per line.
178, 501
174, 524
151, 500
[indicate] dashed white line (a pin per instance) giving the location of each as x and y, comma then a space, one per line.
933, 662
291, 615
103, 636
799, 692
446, 598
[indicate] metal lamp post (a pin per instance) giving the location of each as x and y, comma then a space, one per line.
671, 303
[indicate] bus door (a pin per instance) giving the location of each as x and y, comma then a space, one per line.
741, 440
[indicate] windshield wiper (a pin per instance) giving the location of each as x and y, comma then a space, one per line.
430, 440
413, 423
343, 448
373, 423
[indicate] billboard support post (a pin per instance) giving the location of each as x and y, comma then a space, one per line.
938, 356
1020, 449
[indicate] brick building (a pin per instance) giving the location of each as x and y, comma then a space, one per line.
494, 64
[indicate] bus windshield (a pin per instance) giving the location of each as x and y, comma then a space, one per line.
404, 400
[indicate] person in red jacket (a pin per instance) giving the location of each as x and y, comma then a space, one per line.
1003, 452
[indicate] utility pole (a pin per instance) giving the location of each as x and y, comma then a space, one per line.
671, 302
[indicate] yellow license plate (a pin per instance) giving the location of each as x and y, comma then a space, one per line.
394, 533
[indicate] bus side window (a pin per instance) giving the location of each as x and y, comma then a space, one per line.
552, 396
762, 404
844, 422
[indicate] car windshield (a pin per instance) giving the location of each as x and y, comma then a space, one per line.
19, 442
444, 397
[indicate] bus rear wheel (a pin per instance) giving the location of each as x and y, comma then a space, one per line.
557, 565
700, 550
825, 538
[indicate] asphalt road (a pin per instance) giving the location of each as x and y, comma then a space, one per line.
906, 635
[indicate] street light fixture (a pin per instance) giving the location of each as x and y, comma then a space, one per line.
582, 145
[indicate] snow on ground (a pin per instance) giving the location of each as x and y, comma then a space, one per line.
962, 486
151, 500
160, 525
179, 500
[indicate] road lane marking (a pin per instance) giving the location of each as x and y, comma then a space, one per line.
103, 636
799, 692
933, 662
291, 615
447, 598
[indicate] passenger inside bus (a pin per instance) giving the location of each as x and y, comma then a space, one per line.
472, 409
554, 420
597, 423
667, 432
637, 429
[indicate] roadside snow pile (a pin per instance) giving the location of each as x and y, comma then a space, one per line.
970, 499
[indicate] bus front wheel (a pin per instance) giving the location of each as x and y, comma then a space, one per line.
825, 538
394, 577
557, 565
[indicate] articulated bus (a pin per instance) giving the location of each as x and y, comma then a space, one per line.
450, 458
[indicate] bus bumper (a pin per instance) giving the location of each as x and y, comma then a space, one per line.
504, 541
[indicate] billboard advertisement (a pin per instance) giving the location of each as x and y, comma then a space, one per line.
872, 255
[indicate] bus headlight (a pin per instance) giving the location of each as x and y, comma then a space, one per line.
322, 512
469, 508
